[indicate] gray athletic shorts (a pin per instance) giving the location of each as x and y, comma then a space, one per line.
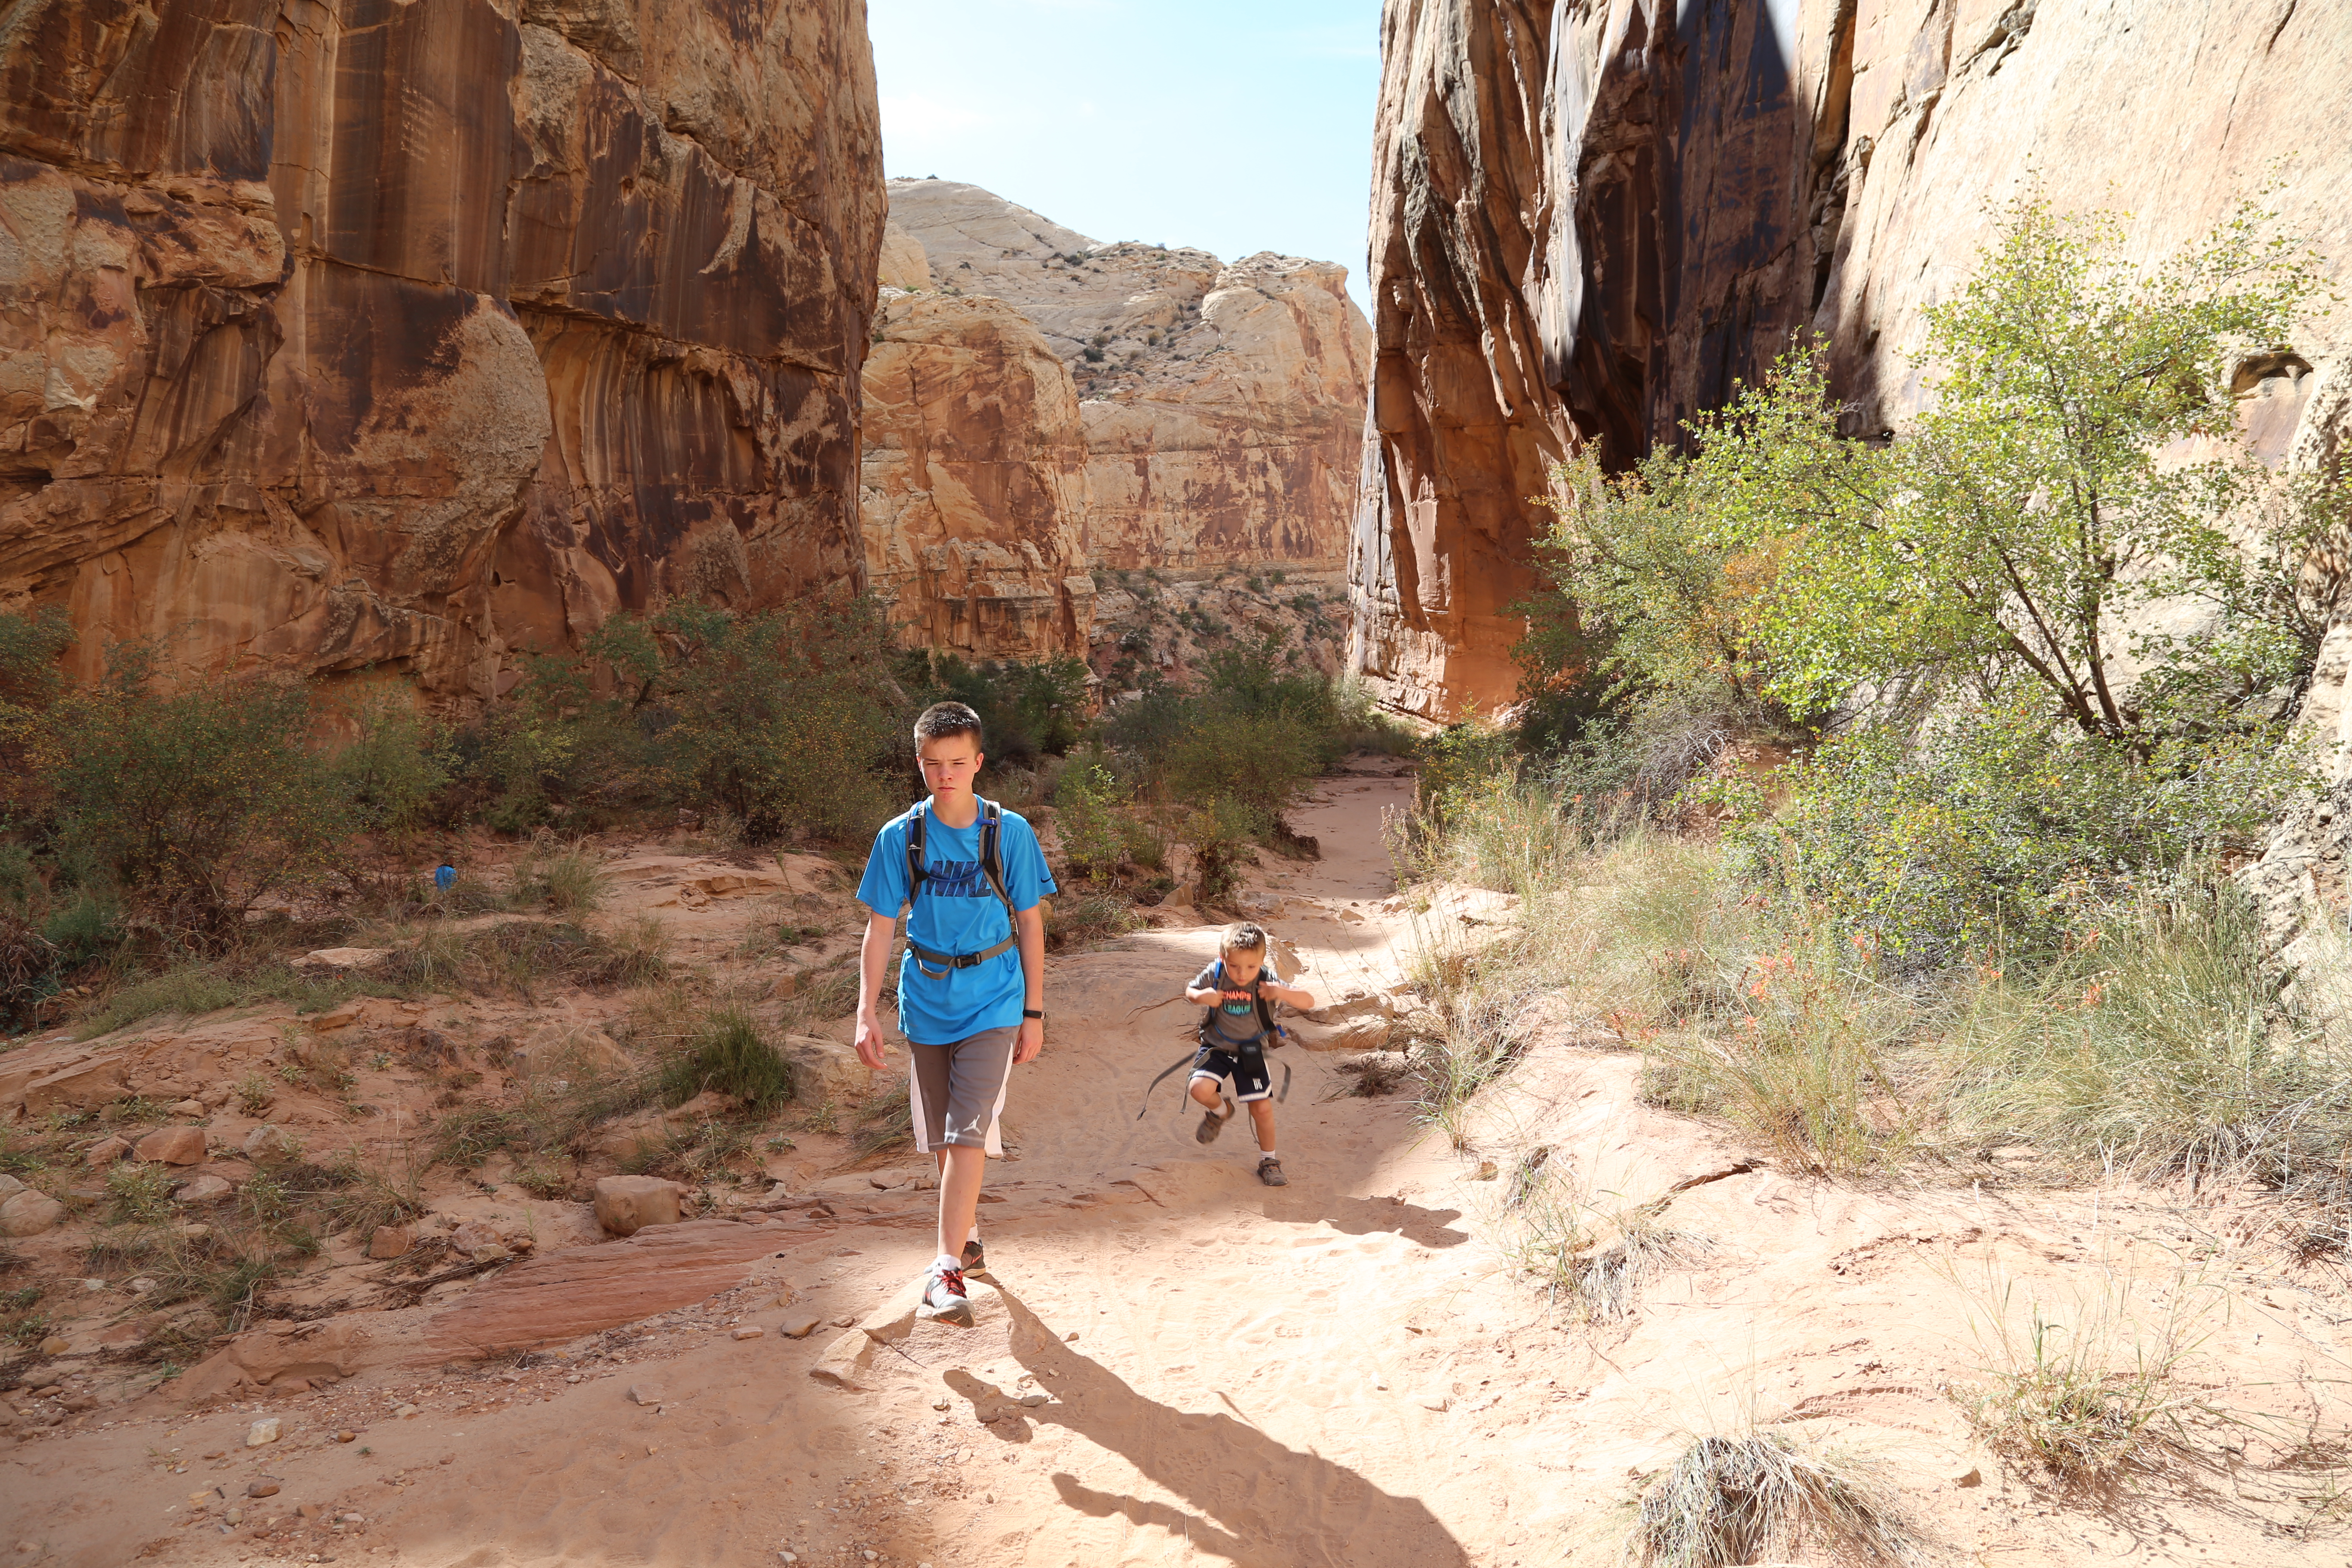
956, 1092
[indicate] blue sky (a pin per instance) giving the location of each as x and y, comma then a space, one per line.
1233, 126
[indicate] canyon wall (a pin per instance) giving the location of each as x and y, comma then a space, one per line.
422, 334
1591, 218
1218, 410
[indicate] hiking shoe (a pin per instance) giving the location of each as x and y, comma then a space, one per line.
975, 1258
943, 1297
1213, 1122
1270, 1172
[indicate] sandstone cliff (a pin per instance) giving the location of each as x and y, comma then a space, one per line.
975, 475
1219, 409
421, 334
1591, 217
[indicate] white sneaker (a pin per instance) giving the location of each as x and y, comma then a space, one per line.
943, 1298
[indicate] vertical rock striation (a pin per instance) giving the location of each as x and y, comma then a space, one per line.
1593, 218
420, 334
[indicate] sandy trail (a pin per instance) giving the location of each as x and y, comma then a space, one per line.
1174, 1364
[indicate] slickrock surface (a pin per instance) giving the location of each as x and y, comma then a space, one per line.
1589, 221
421, 334
1207, 415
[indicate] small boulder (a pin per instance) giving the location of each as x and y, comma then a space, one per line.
390, 1241
268, 1429
266, 1144
106, 1152
826, 1070
646, 1394
186, 1107
30, 1213
334, 1018
173, 1146
9, 1187
261, 1486
479, 1239
343, 960
627, 1204
798, 1325
202, 1189
746, 1332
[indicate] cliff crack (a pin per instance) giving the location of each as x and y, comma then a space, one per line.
2284, 17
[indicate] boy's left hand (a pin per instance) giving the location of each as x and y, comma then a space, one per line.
1032, 1041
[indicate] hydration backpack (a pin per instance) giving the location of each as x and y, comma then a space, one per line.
992, 865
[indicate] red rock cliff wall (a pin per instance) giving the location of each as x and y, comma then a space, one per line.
422, 334
1591, 217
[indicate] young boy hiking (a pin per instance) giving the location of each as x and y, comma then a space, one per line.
1234, 1035
972, 987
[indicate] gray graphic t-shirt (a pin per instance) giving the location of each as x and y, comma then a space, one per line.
1235, 1023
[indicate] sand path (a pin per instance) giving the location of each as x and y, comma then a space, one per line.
1174, 1364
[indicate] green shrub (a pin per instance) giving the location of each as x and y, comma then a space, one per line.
2160, 1042
139, 1194
569, 881
198, 802
395, 765
1094, 834
729, 1055
1996, 827
1028, 709
1221, 832
780, 719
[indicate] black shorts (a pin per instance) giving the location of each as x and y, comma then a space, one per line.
1253, 1079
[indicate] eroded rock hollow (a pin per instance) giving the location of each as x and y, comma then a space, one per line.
1593, 218
423, 335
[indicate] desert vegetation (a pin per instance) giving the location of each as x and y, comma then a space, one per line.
1885, 791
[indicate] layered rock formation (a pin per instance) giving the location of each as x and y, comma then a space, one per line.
1218, 408
975, 473
1592, 218
420, 334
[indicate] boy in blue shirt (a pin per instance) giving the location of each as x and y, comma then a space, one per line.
972, 987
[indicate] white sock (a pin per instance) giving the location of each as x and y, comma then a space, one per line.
1264, 1154
944, 1261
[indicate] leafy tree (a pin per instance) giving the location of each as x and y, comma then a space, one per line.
2077, 485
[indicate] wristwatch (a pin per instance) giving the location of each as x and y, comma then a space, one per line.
1033, 1013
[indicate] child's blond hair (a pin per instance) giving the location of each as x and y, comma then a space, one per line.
1242, 936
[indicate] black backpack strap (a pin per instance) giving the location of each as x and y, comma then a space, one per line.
915, 851
991, 852
992, 824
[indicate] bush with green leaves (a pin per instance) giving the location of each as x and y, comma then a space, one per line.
2053, 622
195, 802
1088, 799
1029, 709
396, 764
728, 1054
1993, 829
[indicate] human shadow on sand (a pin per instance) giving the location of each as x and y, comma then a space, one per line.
1261, 1505
1370, 1217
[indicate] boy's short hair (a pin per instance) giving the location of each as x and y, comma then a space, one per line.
942, 720
1242, 936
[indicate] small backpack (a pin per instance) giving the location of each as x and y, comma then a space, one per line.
992, 865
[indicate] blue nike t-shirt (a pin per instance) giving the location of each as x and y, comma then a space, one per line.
959, 913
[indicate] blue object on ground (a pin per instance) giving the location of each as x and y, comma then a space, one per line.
445, 877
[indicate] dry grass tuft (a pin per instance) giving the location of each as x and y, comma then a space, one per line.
1756, 1497
2090, 1389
